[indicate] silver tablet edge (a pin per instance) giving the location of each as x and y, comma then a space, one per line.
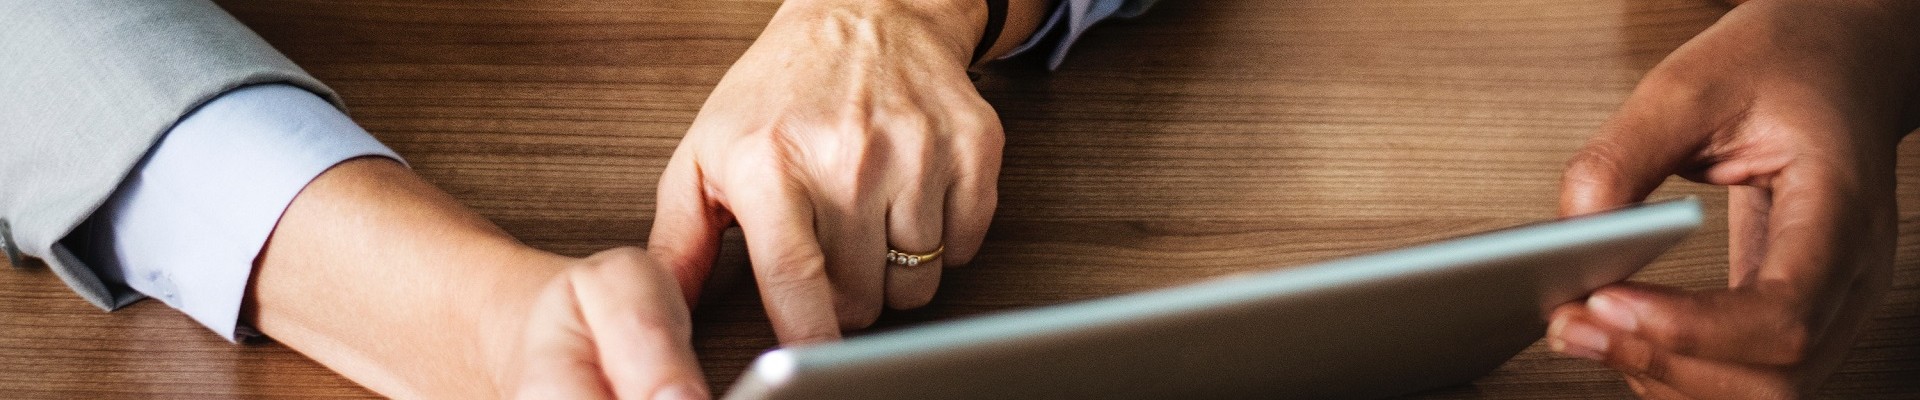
1679, 216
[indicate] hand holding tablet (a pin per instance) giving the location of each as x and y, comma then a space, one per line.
1369, 326
1798, 108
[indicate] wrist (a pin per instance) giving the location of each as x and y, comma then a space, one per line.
952, 27
505, 307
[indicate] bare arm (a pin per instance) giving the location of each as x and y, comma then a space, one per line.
389, 281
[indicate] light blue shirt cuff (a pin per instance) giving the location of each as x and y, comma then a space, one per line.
1073, 18
187, 224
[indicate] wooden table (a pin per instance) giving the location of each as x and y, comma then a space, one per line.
1207, 138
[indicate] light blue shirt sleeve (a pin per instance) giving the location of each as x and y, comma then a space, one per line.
186, 225
1071, 18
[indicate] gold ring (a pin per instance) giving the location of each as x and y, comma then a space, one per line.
909, 259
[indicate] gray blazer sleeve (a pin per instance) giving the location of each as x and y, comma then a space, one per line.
1071, 18
86, 88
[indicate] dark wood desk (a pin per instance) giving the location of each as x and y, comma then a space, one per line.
1206, 138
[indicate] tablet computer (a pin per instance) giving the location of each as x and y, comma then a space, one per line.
1368, 326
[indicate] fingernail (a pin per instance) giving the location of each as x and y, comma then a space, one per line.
680, 391
1577, 339
1612, 311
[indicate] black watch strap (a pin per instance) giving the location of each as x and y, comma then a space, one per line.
996, 21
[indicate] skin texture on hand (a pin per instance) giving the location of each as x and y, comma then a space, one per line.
847, 128
1797, 106
611, 326
388, 281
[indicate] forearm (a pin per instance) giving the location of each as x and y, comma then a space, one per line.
390, 282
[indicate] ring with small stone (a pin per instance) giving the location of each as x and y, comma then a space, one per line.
909, 259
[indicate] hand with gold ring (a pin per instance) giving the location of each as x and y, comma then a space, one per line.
848, 127
905, 259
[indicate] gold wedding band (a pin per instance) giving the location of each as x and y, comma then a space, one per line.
909, 259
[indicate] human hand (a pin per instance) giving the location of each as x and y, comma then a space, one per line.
1797, 106
612, 325
848, 127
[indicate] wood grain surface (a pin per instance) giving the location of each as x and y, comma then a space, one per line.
1206, 138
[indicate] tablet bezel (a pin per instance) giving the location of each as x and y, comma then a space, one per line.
1372, 325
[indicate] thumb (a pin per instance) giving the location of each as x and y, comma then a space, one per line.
610, 326
640, 334
686, 226
1739, 325
1633, 153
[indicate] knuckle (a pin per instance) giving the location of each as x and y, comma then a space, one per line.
992, 134
790, 265
808, 333
914, 121
842, 159
754, 160
917, 146
785, 275
1598, 162
985, 145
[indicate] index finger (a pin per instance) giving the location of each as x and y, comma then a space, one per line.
686, 225
788, 261
1633, 153
1824, 231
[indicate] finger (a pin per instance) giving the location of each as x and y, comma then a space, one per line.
1822, 233
1829, 251
1831, 232
915, 224
686, 225
974, 194
1736, 325
1653, 390
1633, 153
639, 325
1576, 333
1746, 232
788, 263
1678, 376
854, 239
560, 362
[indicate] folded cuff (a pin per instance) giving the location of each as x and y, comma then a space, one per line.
186, 226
